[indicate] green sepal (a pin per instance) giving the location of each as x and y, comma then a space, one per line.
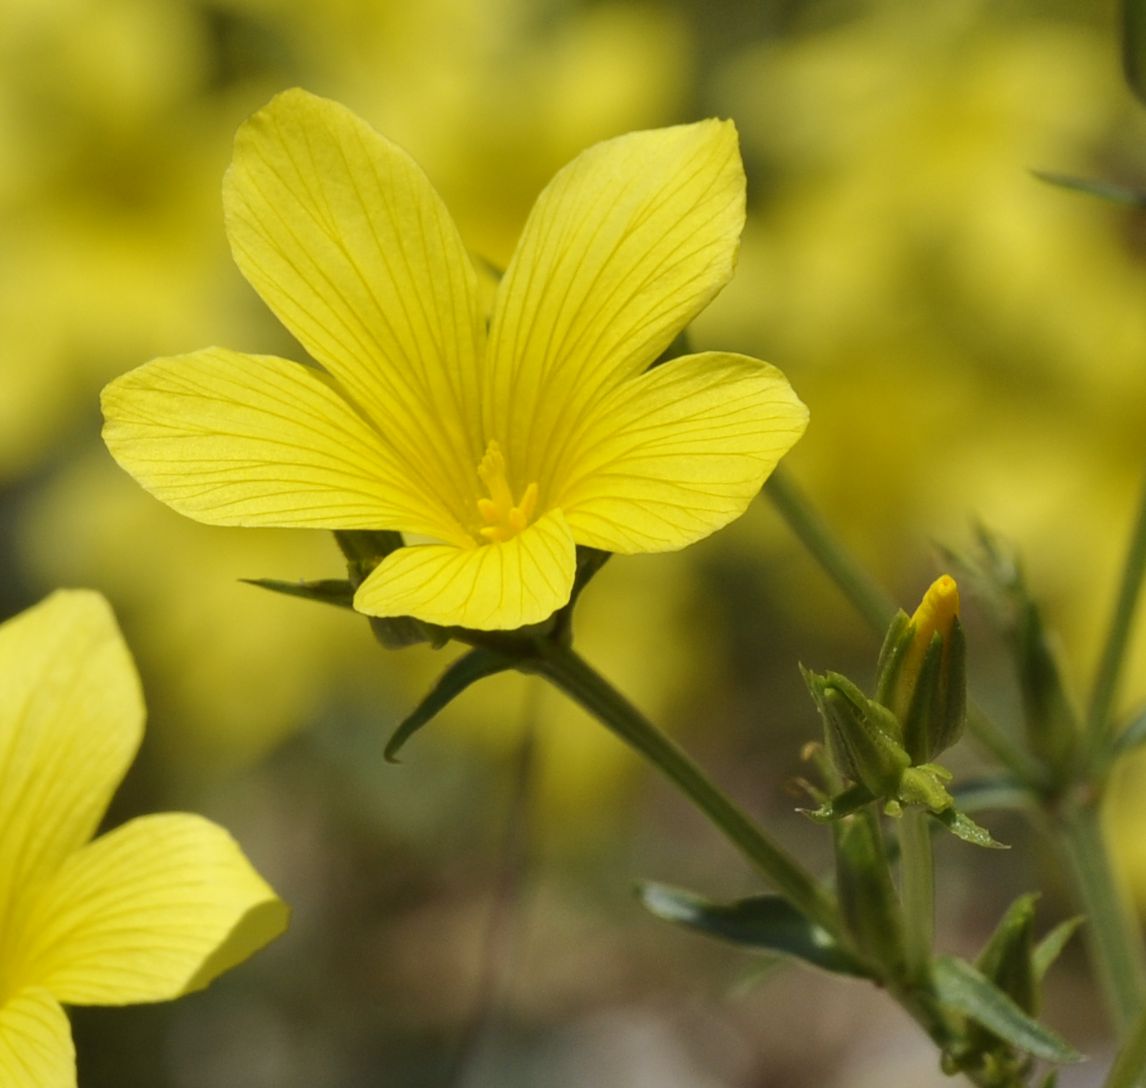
363, 550
1048, 950
896, 643
869, 903
764, 922
963, 827
1134, 46
964, 989
466, 670
937, 712
334, 591
1104, 190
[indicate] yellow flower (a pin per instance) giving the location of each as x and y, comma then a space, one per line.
497, 447
147, 912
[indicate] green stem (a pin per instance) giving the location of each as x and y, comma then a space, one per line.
1129, 1069
1111, 931
867, 597
1099, 721
562, 667
917, 880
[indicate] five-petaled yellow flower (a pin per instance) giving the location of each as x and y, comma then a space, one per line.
496, 445
147, 912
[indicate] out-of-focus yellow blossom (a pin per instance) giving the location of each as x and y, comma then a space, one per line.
504, 453
150, 911
946, 311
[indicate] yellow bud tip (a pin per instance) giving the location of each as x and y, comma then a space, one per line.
937, 610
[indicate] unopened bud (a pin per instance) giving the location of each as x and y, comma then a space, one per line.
863, 737
922, 672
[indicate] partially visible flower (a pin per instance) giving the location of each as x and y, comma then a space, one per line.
150, 911
503, 448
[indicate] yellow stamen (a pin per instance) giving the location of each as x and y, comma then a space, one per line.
503, 518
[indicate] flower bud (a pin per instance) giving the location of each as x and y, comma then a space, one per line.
863, 737
922, 672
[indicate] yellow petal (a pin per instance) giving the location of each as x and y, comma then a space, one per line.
486, 587
677, 453
623, 248
346, 241
71, 718
233, 439
36, 1048
152, 910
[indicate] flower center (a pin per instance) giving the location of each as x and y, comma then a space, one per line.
502, 517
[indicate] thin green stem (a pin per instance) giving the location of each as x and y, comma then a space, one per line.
868, 598
562, 667
917, 888
1112, 933
1129, 1069
1099, 720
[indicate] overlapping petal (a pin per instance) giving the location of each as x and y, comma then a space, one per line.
485, 587
233, 439
71, 719
36, 1048
623, 248
676, 453
152, 910
346, 241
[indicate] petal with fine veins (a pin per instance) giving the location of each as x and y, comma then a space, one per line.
233, 439
623, 248
677, 453
347, 242
486, 587
71, 719
152, 910
36, 1049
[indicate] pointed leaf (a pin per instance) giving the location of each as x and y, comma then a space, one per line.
1050, 947
962, 988
764, 922
963, 827
336, 591
468, 669
1007, 958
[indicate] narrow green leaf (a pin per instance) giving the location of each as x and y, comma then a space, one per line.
1104, 190
963, 827
468, 669
335, 591
1050, 947
764, 922
962, 988
1133, 736
1134, 46
868, 900
1007, 959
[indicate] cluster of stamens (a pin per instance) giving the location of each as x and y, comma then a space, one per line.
503, 517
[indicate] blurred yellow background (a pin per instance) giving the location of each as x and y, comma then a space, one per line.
971, 343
